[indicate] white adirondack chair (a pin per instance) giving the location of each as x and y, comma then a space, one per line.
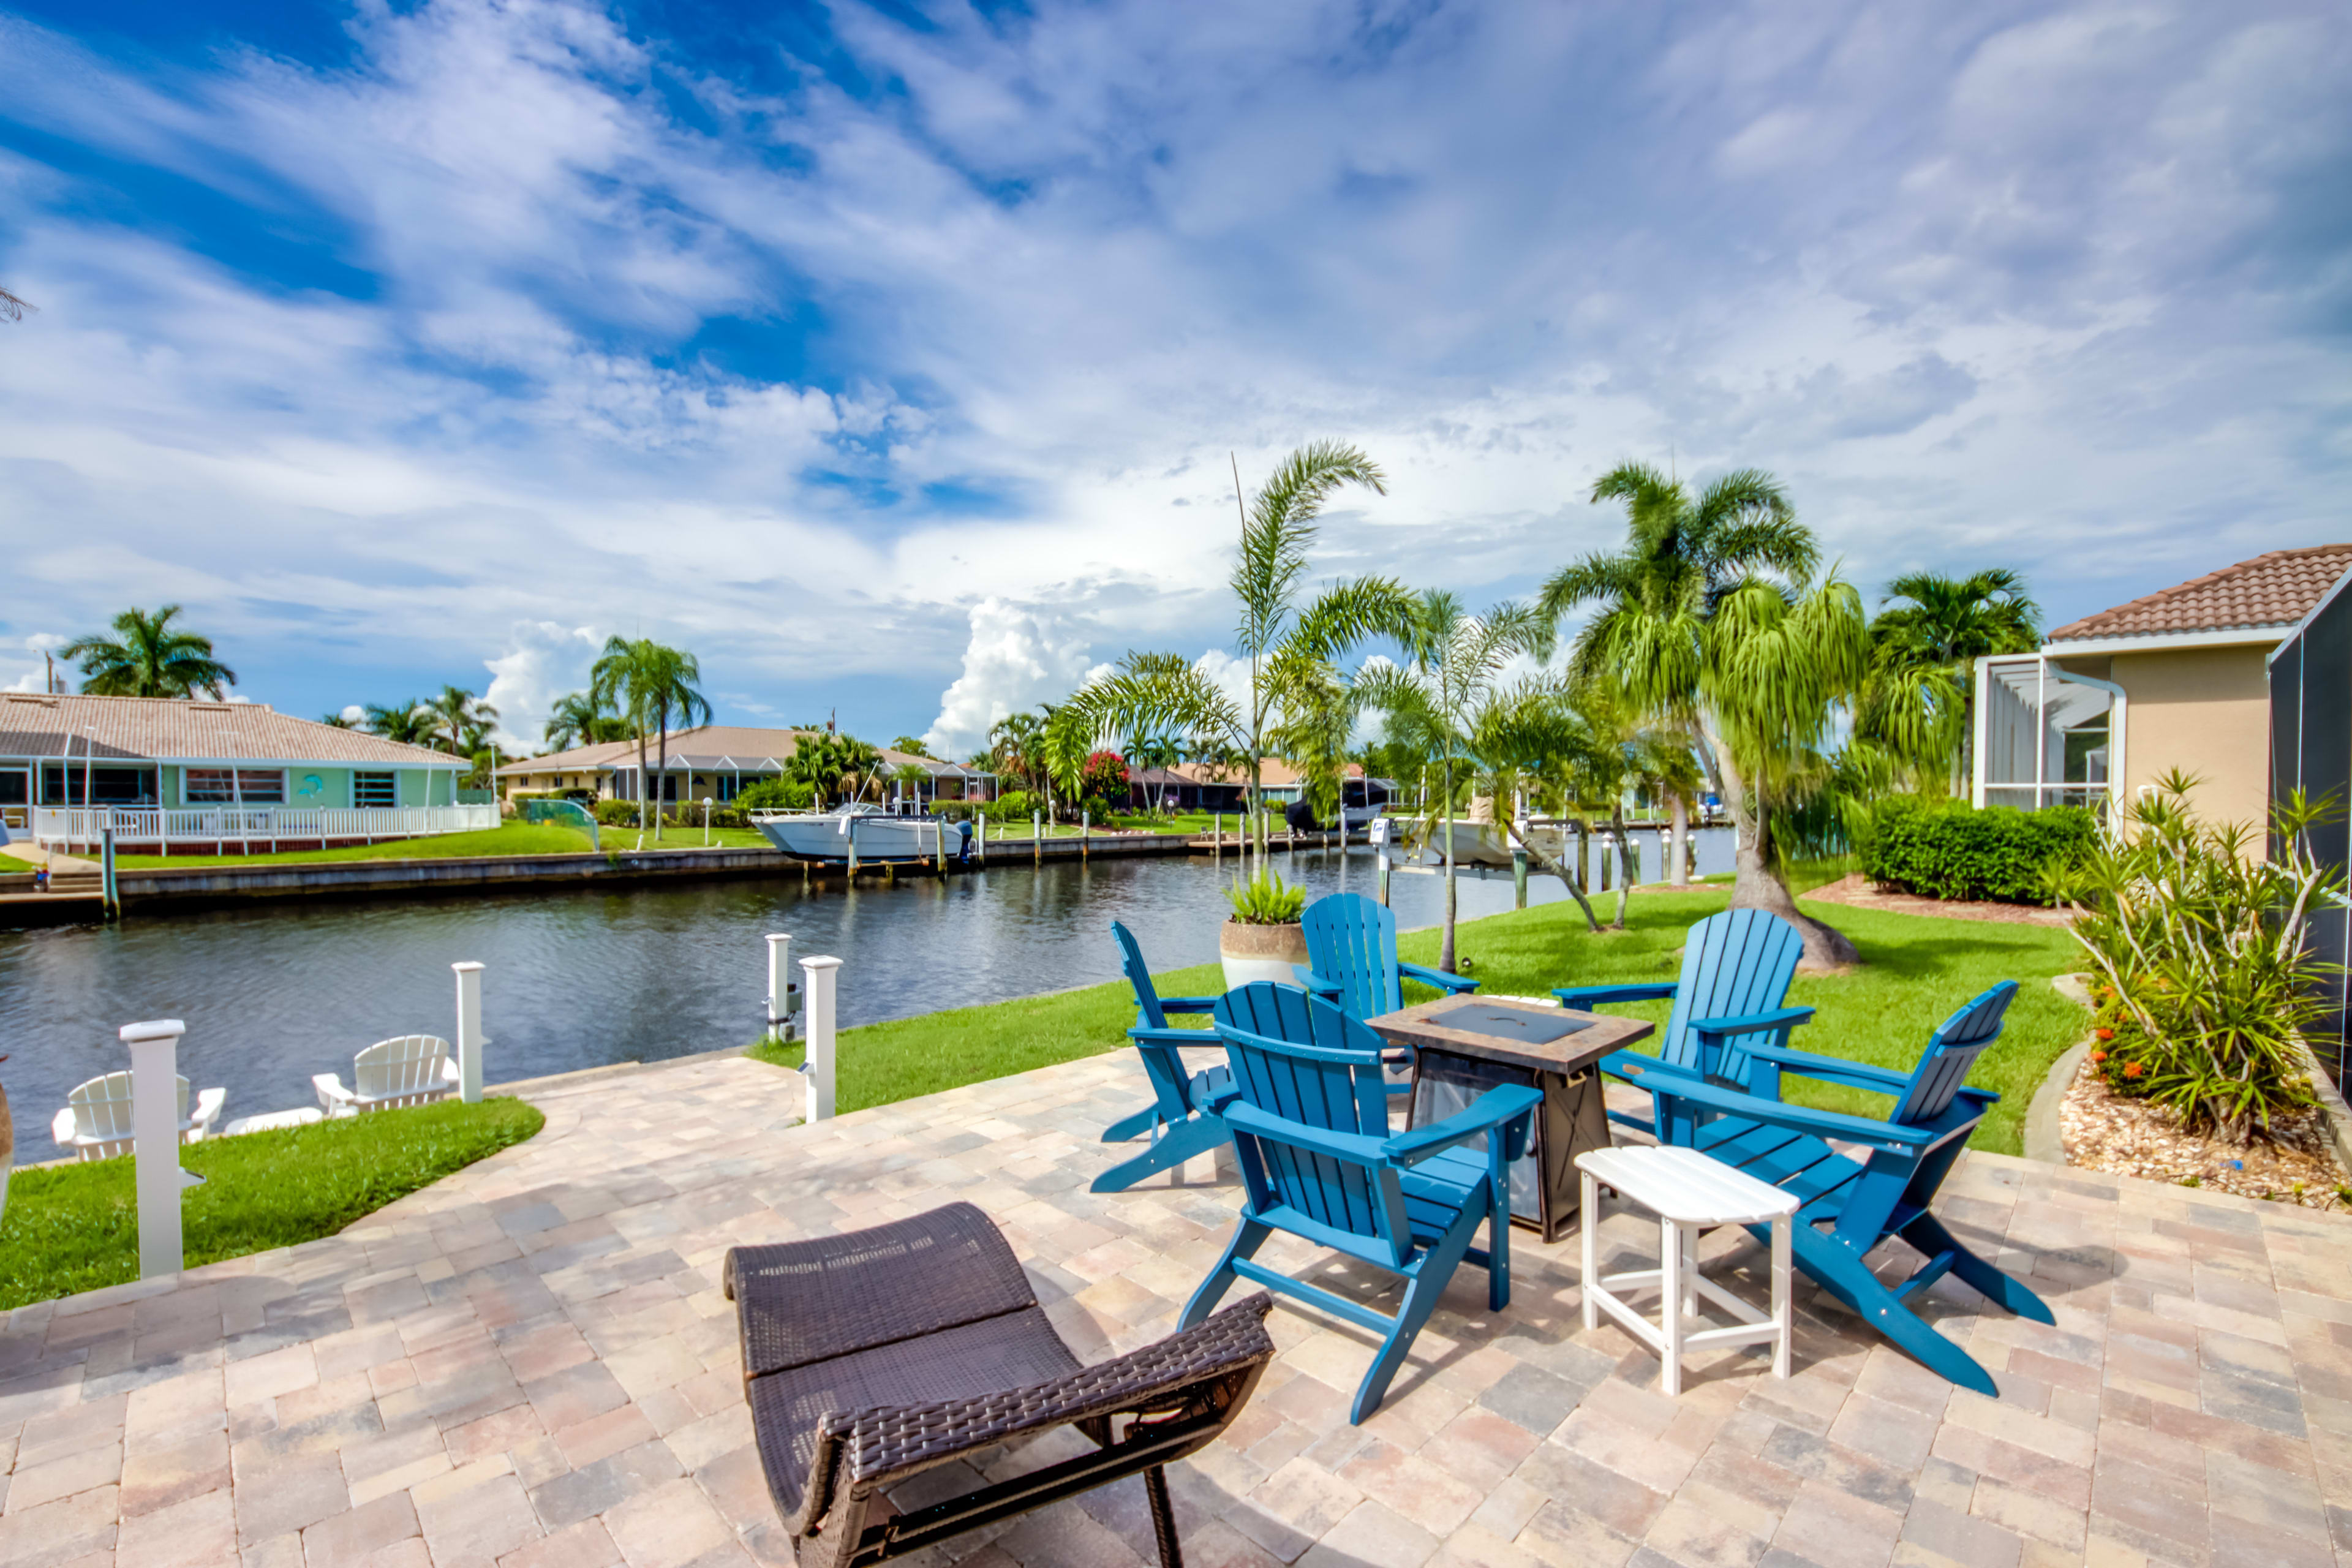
95, 1122
412, 1069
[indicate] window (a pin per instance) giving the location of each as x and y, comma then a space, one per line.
374, 789
219, 786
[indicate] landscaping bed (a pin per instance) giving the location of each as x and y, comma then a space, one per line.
2104, 1131
75, 1227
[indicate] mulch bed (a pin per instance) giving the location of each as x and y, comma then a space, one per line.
1864, 894
2103, 1131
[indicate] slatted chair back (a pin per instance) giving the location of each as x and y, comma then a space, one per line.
1352, 940
1163, 1064
1149, 1014
1734, 964
404, 1066
1951, 1055
101, 1109
1302, 1060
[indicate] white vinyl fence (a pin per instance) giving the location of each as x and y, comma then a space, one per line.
249, 825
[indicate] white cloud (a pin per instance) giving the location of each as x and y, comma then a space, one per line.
32, 674
354, 712
1017, 656
542, 662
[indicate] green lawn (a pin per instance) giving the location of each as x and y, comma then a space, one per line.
70, 1228
506, 838
1919, 970
12, 866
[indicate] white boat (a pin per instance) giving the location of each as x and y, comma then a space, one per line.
873, 833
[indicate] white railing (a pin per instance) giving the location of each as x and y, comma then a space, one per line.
247, 825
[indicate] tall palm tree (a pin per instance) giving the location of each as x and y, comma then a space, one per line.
1529, 735
1709, 622
578, 719
652, 685
1453, 664
459, 717
1289, 647
147, 657
1924, 644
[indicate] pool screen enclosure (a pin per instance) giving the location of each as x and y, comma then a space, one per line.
2311, 750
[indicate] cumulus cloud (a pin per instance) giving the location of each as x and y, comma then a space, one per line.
1016, 658
520, 315
542, 662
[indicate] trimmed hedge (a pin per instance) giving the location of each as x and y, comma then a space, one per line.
1950, 849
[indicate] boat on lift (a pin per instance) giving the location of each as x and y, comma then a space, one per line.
859, 830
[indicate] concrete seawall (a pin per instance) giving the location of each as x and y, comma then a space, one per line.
157, 889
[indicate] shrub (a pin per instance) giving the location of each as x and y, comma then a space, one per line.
1950, 849
618, 812
1013, 805
2207, 981
776, 795
1266, 900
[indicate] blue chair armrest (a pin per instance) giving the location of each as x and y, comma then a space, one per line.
1354, 1148
1188, 1004
1672, 1085
1831, 1070
1177, 1037
1584, 998
1487, 1113
1630, 1065
1751, 1023
1313, 984
1456, 984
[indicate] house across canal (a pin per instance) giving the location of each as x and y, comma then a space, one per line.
199, 776
716, 762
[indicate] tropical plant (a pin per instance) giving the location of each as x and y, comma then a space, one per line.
1453, 663
579, 719
824, 762
1014, 748
911, 777
1529, 739
1104, 777
1947, 848
1157, 753
1319, 717
410, 722
148, 657
774, 794
1266, 900
911, 745
1287, 648
338, 720
2200, 938
652, 685
1916, 700
461, 717
1709, 622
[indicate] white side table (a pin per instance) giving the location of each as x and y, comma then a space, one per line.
1691, 1195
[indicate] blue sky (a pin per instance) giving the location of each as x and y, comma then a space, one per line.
890, 357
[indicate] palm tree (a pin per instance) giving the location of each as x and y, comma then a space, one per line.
1012, 746
1924, 645
13, 306
652, 685
459, 717
1529, 736
1453, 664
148, 657
1289, 648
337, 720
410, 722
1709, 622
578, 719
1158, 753
822, 762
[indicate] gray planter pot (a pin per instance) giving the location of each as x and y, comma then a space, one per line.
1253, 953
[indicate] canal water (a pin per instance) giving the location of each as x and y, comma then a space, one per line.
273, 993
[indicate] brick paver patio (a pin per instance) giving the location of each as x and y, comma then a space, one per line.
531, 1363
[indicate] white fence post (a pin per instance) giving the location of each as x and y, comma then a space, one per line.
470, 1038
780, 987
155, 1141
817, 996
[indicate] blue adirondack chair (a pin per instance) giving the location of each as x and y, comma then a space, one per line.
1179, 1120
1311, 1127
1736, 972
1850, 1205
1352, 957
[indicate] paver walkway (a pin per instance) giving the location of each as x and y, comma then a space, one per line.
531, 1363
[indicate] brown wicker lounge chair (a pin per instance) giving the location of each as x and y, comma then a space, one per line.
872, 1356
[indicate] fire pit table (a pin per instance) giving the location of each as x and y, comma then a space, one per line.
1464, 1045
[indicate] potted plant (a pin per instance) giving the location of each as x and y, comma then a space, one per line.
1262, 938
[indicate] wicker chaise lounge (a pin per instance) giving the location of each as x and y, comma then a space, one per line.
870, 1357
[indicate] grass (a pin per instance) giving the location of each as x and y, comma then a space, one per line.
1919, 970
13, 866
70, 1228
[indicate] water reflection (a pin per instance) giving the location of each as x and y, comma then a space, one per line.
580, 978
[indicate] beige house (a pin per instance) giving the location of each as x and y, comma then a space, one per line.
2177, 679
715, 761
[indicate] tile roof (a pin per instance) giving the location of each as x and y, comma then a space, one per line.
158, 729
2273, 590
712, 745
